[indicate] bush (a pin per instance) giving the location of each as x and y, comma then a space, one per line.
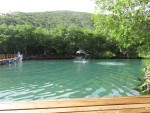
107, 54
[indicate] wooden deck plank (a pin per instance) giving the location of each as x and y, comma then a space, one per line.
90, 108
75, 102
61, 110
136, 104
8, 59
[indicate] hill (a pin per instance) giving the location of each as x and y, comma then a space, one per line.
49, 19
56, 34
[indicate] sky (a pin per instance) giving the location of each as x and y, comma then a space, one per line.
7, 6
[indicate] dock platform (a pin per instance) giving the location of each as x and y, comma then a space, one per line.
129, 104
7, 58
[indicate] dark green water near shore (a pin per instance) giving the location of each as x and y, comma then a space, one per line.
61, 79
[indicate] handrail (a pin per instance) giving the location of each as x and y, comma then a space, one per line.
7, 56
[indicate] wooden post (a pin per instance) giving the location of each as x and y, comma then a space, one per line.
13, 55
7, 56
2, 56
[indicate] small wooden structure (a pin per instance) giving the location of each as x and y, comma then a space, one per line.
7, 58
131, 104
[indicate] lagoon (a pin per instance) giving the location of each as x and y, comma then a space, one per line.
65, 79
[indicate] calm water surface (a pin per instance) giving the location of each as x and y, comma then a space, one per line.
61, 79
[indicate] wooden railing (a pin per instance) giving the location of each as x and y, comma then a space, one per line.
7, 56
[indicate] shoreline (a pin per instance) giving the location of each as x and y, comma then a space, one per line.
40, 57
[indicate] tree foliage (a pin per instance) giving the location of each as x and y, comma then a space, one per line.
127, 22
62, 33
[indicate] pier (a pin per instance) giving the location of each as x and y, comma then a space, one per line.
7, 58
129, 104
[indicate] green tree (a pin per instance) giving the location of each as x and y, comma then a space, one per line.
127, 22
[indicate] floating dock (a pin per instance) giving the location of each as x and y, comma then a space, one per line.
130, 104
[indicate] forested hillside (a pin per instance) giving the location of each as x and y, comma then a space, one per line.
59, 34
52, 34
49, 19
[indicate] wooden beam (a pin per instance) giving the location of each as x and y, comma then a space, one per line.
136, 104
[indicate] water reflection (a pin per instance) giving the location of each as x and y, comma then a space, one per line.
80, 66
111, 63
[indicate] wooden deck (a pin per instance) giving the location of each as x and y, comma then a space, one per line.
6, 61
7, 58
132, 104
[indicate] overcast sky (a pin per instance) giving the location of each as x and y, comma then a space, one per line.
7, 6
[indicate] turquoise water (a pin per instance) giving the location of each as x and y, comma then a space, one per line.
61, 79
